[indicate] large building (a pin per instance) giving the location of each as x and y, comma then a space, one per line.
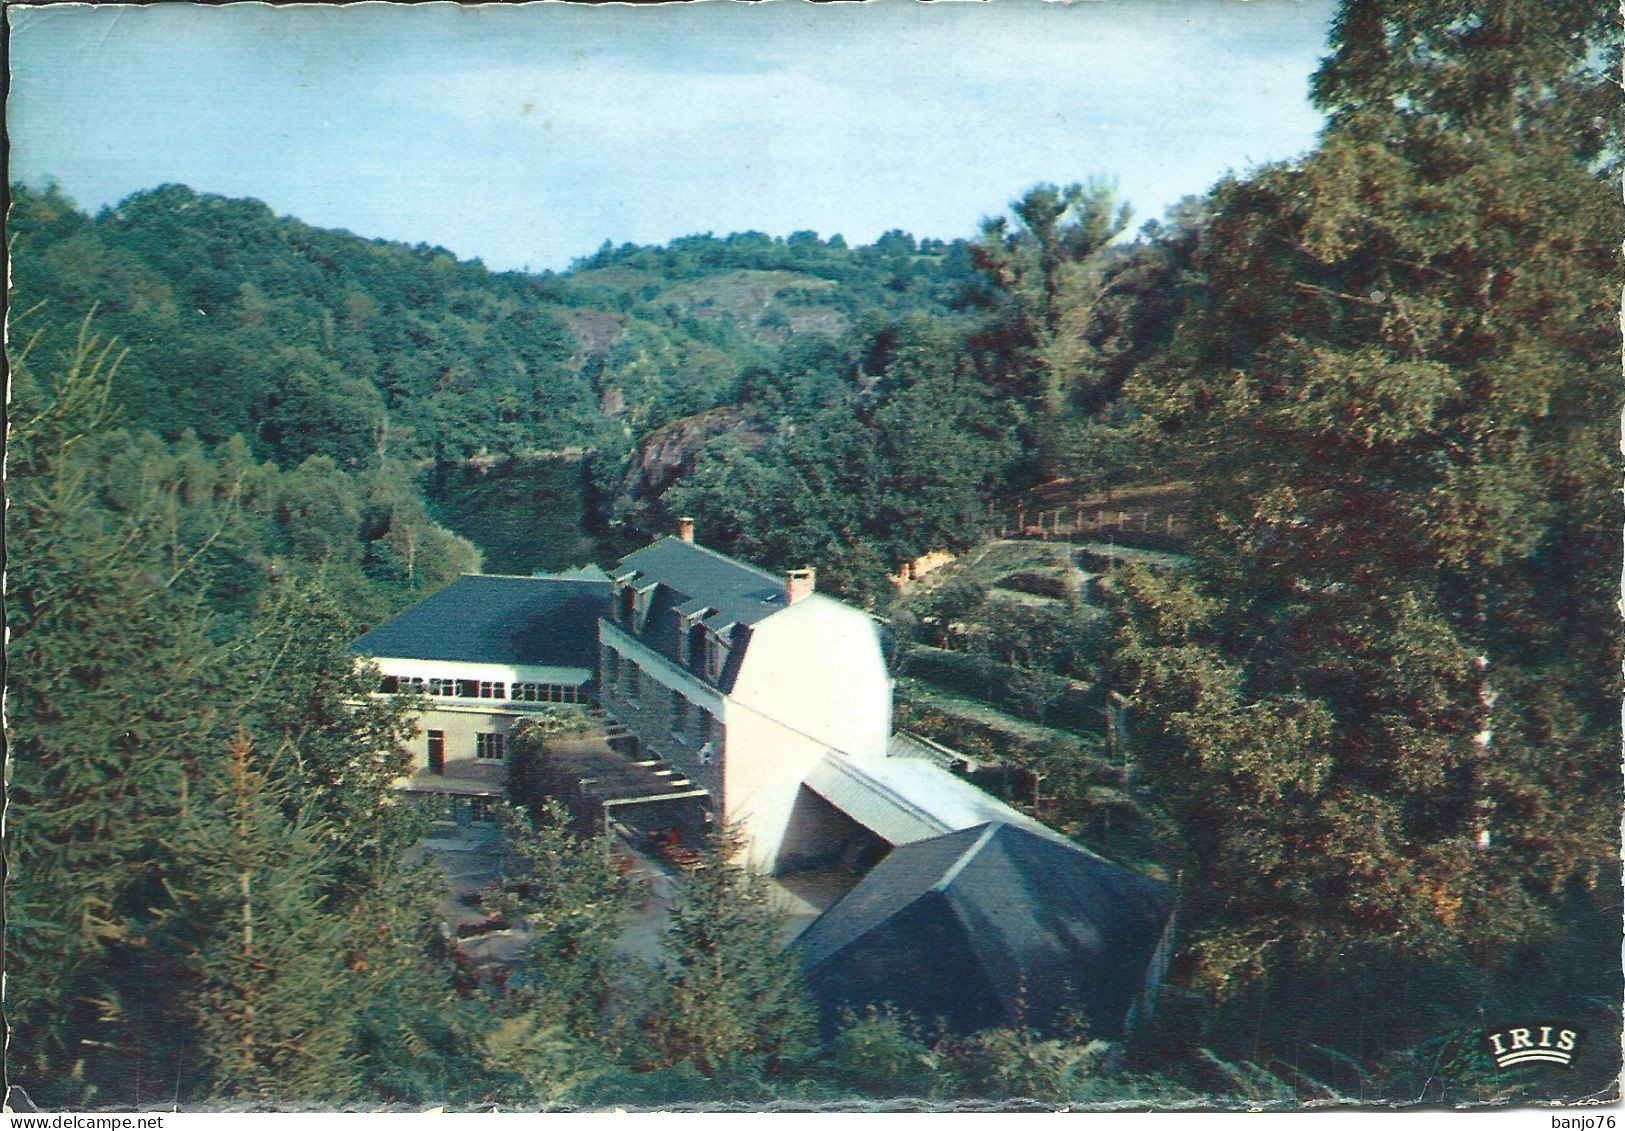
731, 694
742, 680
488, 652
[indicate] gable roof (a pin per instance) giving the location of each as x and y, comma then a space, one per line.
547, 621
989, 926
700, 578
903, 800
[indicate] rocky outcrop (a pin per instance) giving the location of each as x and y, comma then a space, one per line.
668, 453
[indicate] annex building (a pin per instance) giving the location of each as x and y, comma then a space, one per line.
747, 697
488, 651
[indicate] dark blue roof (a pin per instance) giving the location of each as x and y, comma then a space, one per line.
545, 621
700, 578
989, 926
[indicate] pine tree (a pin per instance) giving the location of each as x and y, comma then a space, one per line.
270, 996
555, 1027
299, 686
731, 1000
110, 672
301, 690
121, 698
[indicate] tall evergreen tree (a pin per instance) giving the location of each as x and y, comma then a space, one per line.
1379, 705
1046, 276
731, 1001
110, 672
300, 687
121, 699
270, 995
557, 1023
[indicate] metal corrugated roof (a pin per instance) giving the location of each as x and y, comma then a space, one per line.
906, 745
903, 800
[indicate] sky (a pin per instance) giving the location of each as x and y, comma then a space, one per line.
527, 135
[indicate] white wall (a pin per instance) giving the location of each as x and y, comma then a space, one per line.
818, 668
461, 726
507, 673
813, 679
461, 719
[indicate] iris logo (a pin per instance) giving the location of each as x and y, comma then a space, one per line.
1527, 1043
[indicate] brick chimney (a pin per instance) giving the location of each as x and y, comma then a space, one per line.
685, 528
799, 583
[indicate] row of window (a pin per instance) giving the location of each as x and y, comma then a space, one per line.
485, 689
627, 677
465, 809
487, 745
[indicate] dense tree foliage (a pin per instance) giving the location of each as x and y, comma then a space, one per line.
207, 894
1381, 705
1373, 718
311, 342
730, 1002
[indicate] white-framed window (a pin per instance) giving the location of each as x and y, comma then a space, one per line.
493, 689
480, 809
490, 746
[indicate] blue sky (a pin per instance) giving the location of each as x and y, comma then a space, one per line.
528, 135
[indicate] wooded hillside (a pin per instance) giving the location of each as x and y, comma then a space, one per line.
1367, 696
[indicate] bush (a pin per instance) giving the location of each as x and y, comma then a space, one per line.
882, 1053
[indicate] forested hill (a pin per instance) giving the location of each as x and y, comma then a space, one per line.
308, 341
855, 406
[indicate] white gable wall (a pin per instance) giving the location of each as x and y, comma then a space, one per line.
813, 678
818, 668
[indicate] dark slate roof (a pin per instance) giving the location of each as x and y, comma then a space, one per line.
700, 578
989, 926
545, 621
589, 572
